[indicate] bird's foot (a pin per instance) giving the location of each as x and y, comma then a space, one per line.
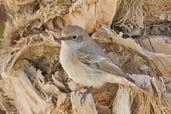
84, 95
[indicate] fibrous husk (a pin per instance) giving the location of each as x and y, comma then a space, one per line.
30, 17
89, 13
33, 80
158, 11
36, 75
129, 15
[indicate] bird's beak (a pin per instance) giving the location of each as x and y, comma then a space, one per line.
60, 39
64, 38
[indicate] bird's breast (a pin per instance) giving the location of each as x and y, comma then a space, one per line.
76, 70
67, 58
71, 63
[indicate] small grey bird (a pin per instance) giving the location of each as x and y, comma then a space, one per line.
86, 63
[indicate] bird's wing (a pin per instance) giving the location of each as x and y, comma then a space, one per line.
102, 63
106, 65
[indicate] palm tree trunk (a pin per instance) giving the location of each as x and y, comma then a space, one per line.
33, 81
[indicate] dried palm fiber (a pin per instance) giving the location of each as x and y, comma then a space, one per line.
131, 103
133, 14
30, 17
158, 11
151, 43
34, 16
160, 61
89, 13
129, 14
36, 77
22, 69
130, 44
18, 72
157, 18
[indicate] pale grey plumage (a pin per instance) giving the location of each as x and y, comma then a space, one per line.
85, 62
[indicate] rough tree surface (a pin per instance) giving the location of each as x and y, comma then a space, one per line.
135, 34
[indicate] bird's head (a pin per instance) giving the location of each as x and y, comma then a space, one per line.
75, 37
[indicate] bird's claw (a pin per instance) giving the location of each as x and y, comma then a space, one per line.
83, 97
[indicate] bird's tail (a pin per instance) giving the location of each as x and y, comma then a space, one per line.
126, 80
121, 80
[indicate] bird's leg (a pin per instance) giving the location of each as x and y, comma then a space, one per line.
84, 95
83, 91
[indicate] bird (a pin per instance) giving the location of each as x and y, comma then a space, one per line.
85, 62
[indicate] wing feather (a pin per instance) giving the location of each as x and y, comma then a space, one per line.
103, 63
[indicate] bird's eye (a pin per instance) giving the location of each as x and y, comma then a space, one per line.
74, 37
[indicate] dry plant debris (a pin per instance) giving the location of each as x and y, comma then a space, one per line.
34, 82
